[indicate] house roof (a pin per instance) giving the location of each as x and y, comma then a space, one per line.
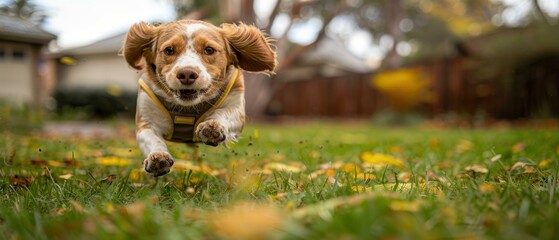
21, 30
103, 46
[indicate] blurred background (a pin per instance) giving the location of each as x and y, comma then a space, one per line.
393, 61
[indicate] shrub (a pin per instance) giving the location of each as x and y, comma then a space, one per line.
95, 102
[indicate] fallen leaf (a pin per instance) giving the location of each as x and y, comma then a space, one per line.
381, 159
182, 165
246, 220
53, 163
66, 176
136, 175
256, 134
396, 149
109, 179
434, 143
351, 168
71, 162
487, 188
113, 161
404, 206
464, 146
358, 188
496, 158
281, 167
19, 181
134, 211
544, 163
520, 167
478, 168
36, 162
518, 147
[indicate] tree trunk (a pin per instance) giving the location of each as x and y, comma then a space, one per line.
394, 14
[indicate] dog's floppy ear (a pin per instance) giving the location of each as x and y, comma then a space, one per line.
251, 48
140, 37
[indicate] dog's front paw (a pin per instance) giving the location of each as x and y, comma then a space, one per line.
158, 163
211, 132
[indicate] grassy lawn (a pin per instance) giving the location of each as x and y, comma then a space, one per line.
309, 181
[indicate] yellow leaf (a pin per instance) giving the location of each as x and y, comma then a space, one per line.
405, 177
403, 206
381, 159
464, 146
544, 163
53, 163
350, 168
330, 172
246, 220
136, 175
256, 134
487, 188
366, 176
282, 167
396, 149
113, 161
123, 152
182, 165
66, 176
434, 143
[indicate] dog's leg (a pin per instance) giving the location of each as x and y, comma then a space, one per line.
158, 161
224, 124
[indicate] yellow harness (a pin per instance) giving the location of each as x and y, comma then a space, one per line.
184, 124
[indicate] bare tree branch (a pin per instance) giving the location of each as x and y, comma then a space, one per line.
540, 12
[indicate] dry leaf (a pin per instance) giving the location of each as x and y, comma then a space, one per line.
246, 220
464, 146
109, 179
281, 167
66, 176
404, 206
381, 159
36, 162
478, 168
518, 147
113, 161
19, 181
544, 163
487, 188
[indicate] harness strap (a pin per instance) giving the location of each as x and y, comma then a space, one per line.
183, 120
216, 105
159, 105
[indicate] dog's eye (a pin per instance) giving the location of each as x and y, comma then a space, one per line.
209, 50
169, 51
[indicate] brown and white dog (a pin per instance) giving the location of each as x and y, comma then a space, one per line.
191, 89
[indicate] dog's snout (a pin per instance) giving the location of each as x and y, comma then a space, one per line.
187, 75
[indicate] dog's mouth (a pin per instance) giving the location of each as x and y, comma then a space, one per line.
189, 94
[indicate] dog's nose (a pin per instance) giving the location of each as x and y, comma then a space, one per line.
187, 75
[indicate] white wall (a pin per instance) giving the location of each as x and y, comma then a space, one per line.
99, 71
16, 75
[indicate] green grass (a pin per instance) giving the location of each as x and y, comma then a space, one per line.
288, 182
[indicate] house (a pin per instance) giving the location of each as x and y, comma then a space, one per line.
22, 65
96, 66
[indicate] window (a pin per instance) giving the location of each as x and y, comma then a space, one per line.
18, 54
